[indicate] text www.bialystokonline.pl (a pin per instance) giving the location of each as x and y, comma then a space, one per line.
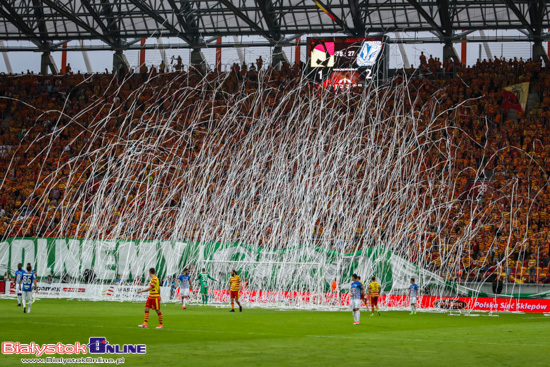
83, 360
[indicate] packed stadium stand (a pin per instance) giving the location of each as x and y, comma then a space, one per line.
512, 146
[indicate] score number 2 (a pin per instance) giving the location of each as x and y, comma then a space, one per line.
367, 76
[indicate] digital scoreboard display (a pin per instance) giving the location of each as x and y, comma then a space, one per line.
344, 62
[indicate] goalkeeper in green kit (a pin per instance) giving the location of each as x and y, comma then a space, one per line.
203, 280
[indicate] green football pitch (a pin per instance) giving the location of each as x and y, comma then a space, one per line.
210, 336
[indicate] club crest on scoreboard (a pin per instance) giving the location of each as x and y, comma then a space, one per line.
323, 55
369, 52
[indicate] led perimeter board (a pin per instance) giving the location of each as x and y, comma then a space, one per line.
343, 62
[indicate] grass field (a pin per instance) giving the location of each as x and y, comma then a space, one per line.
209, 336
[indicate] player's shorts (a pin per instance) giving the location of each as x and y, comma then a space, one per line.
27, 295
354, 303
374, 301
184, 292
153, 303
234, 294
413, 300
204, 289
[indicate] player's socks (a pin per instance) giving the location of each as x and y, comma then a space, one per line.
19, 300
160, 318
146, 318
240, 308
29, 308
24, 309
358, 316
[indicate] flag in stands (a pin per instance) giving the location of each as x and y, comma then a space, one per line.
515, 96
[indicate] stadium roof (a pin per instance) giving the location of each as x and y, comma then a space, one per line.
120, 24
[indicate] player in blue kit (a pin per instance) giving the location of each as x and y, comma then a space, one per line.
356, 292
413, 295
184, 280
26, 282
18, 274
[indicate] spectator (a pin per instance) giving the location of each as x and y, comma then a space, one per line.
498, 284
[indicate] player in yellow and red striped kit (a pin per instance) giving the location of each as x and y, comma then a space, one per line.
234, 288
154, 299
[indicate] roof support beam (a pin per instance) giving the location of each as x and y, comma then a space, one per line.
228, 4
6, 58
536, 15
105, 31
358, 24
334, 17
428, 18
266, 7
39, 14
159, 19
283, 42
107, 12
464, 34
66, 13
190, 27
520, 16
445, 18
10, 14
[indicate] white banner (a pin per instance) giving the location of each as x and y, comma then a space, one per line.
90, 291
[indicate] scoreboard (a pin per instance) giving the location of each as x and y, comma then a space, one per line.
343, 62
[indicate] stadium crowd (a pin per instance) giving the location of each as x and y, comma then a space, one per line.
511, 145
